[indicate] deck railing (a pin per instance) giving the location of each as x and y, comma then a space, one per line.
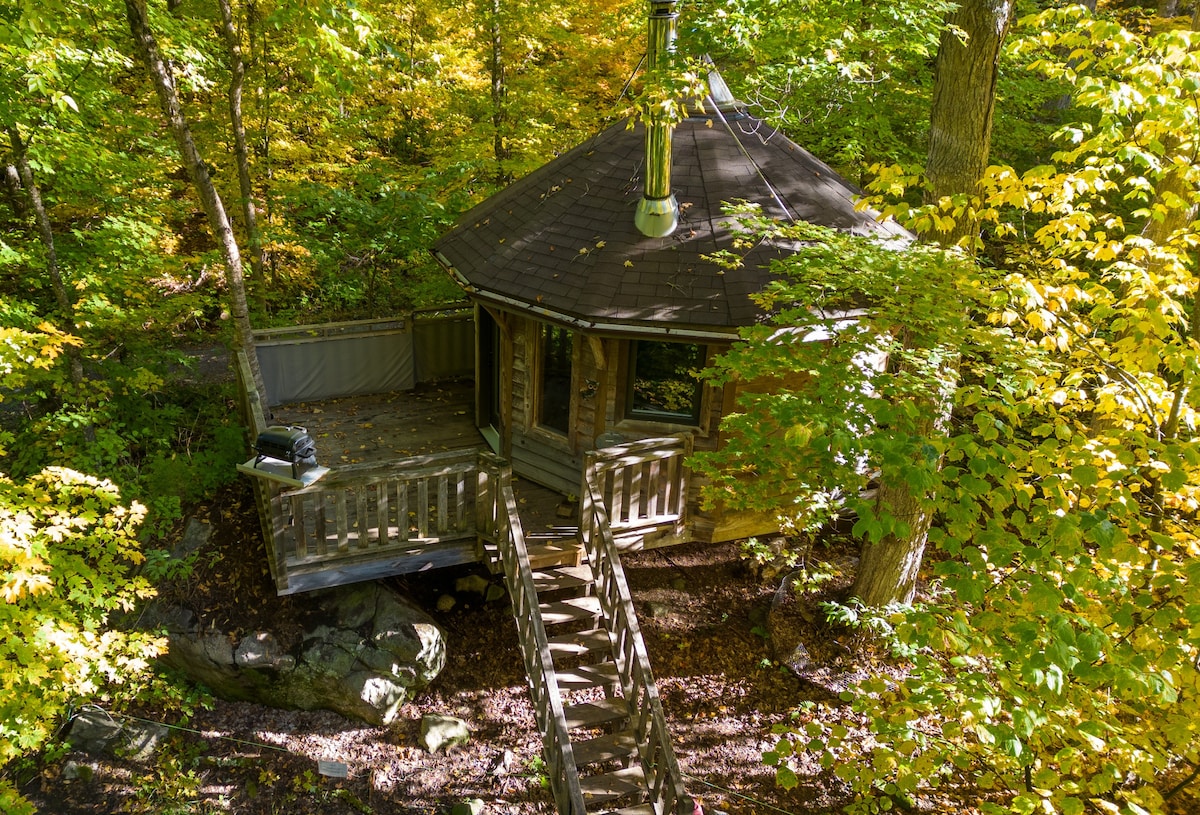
267, 500
643, 484
663, 778
535, 650
360, 508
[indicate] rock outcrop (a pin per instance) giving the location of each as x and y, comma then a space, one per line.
364, 652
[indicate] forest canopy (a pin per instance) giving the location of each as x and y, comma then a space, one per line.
176, 171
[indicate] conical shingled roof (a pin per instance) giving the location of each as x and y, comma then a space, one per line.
561, 242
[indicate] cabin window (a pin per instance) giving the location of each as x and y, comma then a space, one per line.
555, 380
663, 382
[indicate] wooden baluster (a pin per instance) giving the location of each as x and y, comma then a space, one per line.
343, 531
402, 524
320, 524
653, 506
616, 508
443, 504
383, 512
362, 520
298, 521
671, 487
460, 502
636, 493
423, 508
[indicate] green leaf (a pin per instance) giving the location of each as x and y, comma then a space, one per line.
1071, 806
786, 777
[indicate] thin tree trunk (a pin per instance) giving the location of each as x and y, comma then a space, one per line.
237, 80
499, 95
1172, 190
218, 221
62, 298
11, 179
964, 96
260, 55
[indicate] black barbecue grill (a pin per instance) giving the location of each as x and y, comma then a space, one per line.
288, 443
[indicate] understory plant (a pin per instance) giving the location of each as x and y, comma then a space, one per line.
1049, 663
68, 551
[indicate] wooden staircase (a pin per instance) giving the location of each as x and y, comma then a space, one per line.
604, 736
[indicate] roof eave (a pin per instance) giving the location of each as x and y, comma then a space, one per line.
607, 327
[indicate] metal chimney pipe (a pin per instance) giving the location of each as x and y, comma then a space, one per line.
657, 213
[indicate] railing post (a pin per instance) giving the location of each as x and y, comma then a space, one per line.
494, 475
272, 507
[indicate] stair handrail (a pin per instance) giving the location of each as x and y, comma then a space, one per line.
663, 776
539, 666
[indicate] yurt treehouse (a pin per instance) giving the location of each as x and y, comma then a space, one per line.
595, 303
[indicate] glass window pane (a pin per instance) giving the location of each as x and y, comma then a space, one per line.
663, 383
556, 378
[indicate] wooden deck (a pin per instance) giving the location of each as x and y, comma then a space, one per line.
353, 431
411, 485
432, 418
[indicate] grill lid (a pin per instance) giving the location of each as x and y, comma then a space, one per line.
287, 443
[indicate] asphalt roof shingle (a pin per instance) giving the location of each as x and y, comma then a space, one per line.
562, 239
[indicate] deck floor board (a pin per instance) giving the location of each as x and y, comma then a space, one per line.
431, 418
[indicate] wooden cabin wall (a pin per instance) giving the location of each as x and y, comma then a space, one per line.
594, 390
599, 381
541, 455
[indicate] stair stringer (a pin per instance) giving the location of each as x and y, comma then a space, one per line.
539, 667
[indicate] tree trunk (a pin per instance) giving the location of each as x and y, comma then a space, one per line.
1175, 197
62, 298
237, 70
11, 178
964, 98
888, 568
218, 221
499, 95
260, 56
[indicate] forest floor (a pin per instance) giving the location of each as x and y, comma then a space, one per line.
722, 638
725, 670
721, 685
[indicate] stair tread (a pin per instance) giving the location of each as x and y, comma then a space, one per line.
578, 643
556, 578
587, 676
572, 609
640, 809
614, 785
554, 553
593, 714
603, 748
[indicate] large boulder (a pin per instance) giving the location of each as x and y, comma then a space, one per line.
364, 652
